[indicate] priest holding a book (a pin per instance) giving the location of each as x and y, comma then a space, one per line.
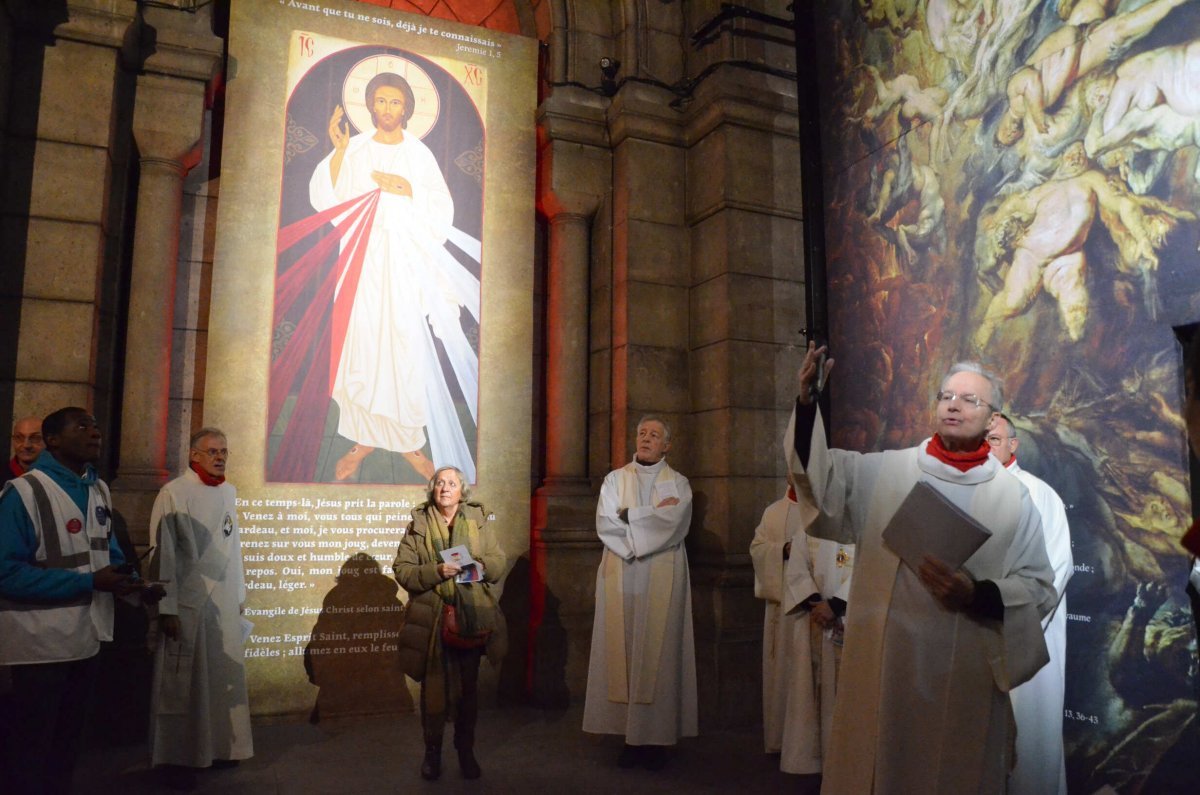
949, 589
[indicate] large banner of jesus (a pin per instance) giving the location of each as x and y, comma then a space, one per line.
371, 317
378, 273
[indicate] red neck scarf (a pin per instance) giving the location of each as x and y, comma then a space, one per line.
960, 461
1011, 460
791, 495
15, 467
205, 478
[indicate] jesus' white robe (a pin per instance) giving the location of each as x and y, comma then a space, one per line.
1038, 704
922, 700
799, 658
642, 671
199, 710
389, 384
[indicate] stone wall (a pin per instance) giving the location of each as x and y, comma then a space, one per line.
685, 186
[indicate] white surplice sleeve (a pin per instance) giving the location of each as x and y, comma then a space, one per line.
655, 529
766, 553
614, 533
833, 475
1027, 591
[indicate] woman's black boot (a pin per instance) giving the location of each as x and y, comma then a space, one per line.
431, 767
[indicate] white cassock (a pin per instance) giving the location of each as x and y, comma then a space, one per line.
199, 710
1038, 704
922, 703
389, 384
799, 658
642, 671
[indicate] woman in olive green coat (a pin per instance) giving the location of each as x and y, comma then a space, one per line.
449, 676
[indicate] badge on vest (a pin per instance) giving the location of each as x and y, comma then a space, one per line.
74, 526
102, 514
843, 558
227, 526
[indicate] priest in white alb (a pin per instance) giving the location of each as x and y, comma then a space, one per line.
1038, 704
931, 650
642, 672
805, 582
199, 715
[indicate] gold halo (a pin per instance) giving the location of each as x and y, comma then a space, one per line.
424, 94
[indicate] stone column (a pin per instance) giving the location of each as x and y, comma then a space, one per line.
573, 172
167, 123
567, 359
747, 301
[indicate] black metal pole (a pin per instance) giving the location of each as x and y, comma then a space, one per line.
816, 313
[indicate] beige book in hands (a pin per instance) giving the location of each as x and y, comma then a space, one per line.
929, 524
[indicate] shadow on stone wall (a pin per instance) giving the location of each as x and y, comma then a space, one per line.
727, 622
514, 604
352, 655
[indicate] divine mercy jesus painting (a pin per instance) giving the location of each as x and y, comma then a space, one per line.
375, 357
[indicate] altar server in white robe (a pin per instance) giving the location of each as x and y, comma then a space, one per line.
1038, 704
805, 582
199, 715
930, 654
642, 672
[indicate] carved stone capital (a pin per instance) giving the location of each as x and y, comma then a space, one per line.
643, 112
572, 114
572, 178
168, 117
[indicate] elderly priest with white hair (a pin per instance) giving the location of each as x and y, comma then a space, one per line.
932, 645
200, 716
642, 673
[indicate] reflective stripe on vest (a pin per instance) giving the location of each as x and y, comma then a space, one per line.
40, 630
55, 559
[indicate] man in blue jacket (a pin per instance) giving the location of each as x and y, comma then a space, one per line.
59, 569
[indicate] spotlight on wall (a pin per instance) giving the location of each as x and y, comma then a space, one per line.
608, 75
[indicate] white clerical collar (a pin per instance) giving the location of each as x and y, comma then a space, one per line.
648, 469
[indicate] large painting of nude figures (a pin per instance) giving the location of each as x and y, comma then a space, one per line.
375, 358
1017, 182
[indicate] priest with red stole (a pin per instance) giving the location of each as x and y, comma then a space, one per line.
931, 650
200, 715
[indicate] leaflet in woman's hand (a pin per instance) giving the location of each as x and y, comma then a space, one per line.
460, 556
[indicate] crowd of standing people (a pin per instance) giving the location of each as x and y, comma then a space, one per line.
913, 639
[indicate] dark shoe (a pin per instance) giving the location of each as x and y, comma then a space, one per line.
467, 763
431, 766
654, 757
631, 756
